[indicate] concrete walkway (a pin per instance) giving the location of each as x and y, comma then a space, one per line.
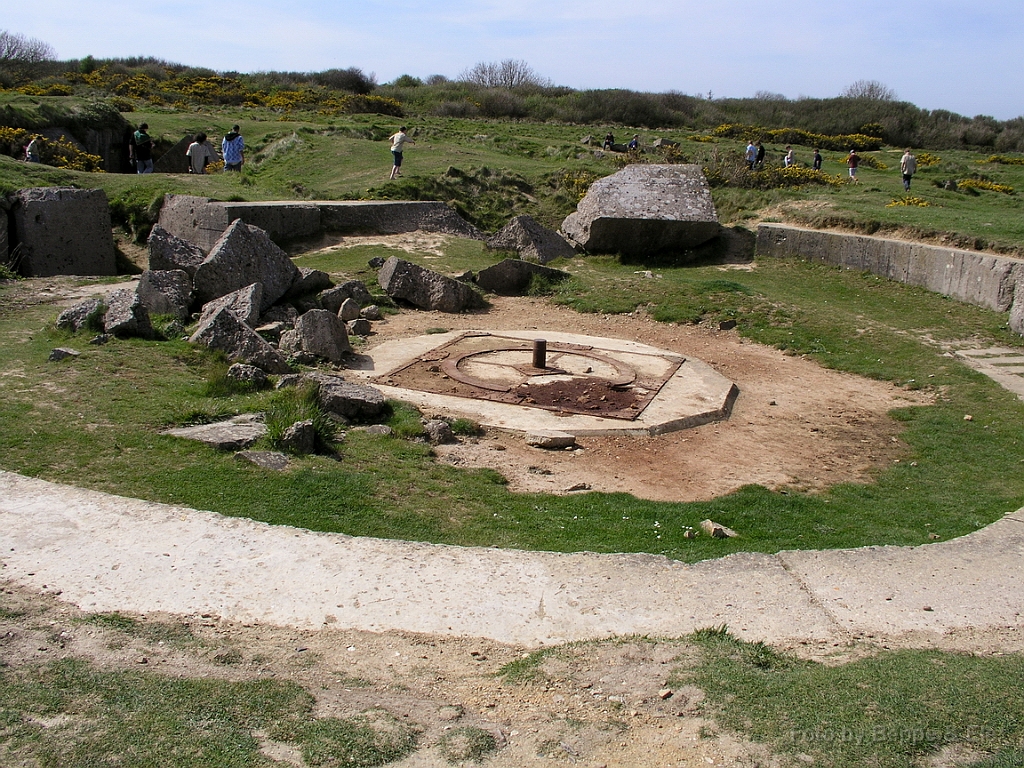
107, 553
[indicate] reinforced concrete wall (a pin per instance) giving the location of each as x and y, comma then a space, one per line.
202, 221
994, 282
61, 231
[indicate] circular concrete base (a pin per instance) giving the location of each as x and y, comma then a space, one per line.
690, 392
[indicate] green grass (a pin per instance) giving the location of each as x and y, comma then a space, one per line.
96, 717
95, 421
891, 710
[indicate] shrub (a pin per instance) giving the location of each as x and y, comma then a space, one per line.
1002, 160
908, 200
1006, 189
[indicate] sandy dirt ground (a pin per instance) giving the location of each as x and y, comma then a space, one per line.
794, 425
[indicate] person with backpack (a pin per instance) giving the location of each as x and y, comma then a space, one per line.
232, 147
141, 150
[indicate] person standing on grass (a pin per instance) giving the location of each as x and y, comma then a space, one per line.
142, 149
816, 164
232, 146
759, 159
908, 164
200, 153
398, 142
852, 162
751, 155
790, 159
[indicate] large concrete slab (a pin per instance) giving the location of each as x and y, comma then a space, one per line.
976, 581
695, 394
62, 231
108, 553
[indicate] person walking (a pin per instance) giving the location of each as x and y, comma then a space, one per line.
200, 153
398, 142
141, 149
852, 161
750, 155
32, 150
232, 146
908, 165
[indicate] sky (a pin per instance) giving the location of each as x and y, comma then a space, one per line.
965, 57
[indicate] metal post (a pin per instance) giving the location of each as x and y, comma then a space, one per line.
540, 353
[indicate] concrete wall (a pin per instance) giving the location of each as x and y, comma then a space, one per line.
62, 231
994, 282
202, 221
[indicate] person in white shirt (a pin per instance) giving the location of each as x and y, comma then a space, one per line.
200, 153
398, 142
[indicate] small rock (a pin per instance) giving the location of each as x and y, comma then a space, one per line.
665, 693
934, 536
102, 338
927, 608
689, 534
550, 440
266, 459
727, 325
716, 530
359, 327
439, 432
578, 487
371, 312
968, 417
376, 429
62, 353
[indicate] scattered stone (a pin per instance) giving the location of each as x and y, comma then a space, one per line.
281, 313
235, 434
99, 339
167, 252
249, 374
550, 440
383, 430
534, 470
166, 292
126, 315
665, 143
578, 487
645, 209
320, 333
716, 530
273, 460
531, 241
439, 432
512, 277
727, 325
353, 289
242, 256
62, 353
968, 417
309, 281
358, 402
928, 608
272, 331
360, 327
376, 262
665, 693
349, 310
85, 313
238, 341
300, 437
371, 312
244, 304
424, 289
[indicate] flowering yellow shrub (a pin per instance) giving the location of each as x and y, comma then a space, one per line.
799, 136
926, 159
1006, 189
1003, 160
908, 200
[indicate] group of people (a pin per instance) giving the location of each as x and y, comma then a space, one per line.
754, 157
200, 152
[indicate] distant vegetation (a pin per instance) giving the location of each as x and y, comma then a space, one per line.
506, 89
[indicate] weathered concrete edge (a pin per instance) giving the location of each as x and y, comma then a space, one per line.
202, 221
985, 280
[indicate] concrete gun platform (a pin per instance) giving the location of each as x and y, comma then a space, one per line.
593, 385
110, 553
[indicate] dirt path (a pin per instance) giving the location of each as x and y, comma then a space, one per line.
794, 424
